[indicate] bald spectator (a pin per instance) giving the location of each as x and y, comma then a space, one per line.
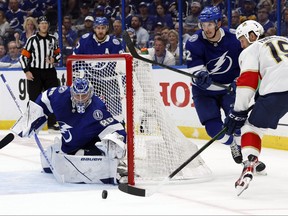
117, 29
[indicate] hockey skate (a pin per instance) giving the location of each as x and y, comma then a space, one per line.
260, 168
247, 174
236, 153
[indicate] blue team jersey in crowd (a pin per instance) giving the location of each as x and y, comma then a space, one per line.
220, 59
77, 129
89, 45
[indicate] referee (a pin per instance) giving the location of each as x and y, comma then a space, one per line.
37, 60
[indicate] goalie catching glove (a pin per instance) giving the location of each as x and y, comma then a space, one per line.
112, 145
32, 121
235, 120
202, 79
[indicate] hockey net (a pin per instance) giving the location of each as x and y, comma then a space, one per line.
155, 146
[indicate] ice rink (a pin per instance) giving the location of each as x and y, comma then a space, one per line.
25, 190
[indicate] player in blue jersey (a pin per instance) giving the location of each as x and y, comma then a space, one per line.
99, 41
89, 133
212, 55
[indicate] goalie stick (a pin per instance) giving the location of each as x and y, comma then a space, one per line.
126, 188
134, 53
58, 177
6, 140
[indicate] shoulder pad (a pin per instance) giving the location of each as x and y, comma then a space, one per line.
116, 41
85, 35
193, 38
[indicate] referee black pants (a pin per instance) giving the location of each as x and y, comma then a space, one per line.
43, 80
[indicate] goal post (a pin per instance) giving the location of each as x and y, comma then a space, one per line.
155, 145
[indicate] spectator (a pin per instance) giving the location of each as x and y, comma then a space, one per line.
71, 8
128, 14
84, 12
4, 27
133, 38
30, 28
263, 19
88, 26
141, 33
99, 11
271, 31
164, 33
235, 19
173, 44
163, 17
148, 21
2, 51
186, 29
174, 10
284, 23
32, 8
192, 18
12, 55
70, 35
160, 54
15, 16
248, 11
268, 5
117, 30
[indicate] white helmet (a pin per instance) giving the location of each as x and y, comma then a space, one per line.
246, 27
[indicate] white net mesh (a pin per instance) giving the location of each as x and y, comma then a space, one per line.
159, 146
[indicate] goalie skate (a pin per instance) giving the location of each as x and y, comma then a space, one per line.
247, 174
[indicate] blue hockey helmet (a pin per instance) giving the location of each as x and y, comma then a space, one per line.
101, 21
210, 13
81, 94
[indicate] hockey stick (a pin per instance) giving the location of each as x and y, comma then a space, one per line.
124, 187
57, 176
134, 53
6, 140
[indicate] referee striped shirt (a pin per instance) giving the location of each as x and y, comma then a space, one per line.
37, 49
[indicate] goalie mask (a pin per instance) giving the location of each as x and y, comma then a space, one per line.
81, 94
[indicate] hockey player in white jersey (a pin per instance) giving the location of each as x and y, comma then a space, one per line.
264, 66
92, 141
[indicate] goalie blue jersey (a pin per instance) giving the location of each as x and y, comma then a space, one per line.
220, 59
79, 130
88, 44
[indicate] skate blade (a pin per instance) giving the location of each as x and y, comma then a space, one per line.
243, 186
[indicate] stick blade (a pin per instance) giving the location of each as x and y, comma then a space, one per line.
6, 140
126, 188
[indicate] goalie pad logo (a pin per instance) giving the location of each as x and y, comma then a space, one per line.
98, 115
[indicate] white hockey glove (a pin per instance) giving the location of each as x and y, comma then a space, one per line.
31, 121
112, 146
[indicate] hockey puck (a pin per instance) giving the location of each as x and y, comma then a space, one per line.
104, 194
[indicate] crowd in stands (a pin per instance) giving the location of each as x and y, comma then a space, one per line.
150, 20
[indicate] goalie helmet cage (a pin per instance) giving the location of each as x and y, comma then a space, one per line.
155, 146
